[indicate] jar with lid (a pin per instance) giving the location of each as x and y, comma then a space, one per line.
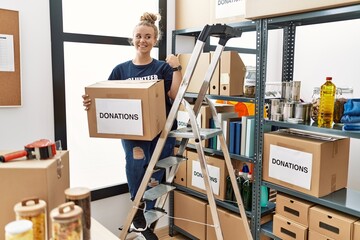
81, 197
66, 222
342, 95
34, 210
250, 82
19, 230
315, 104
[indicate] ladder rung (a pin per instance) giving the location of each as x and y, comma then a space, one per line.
169, 161
152, 216
158, 191
186, 132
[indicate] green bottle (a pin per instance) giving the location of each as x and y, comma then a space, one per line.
247, 192
327, 101
229, 190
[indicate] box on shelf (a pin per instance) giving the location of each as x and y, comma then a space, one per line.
188, 15
293, 208
21, 178
313, 235
356, 230
200, 70
227, 11
180, 176
275, 8
217, 173
232, 74
331, 223
189, 212
126, 109
310, 163
287, 229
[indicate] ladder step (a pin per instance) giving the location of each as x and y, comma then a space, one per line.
169, 161
152, 216
186, 132
158, 191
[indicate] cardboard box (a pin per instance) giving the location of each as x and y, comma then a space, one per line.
293, 208
331, 223
286, 229
199, 73
231, 223
188, 15
256, 9
299, 161
227, 11
232, 74
313, 235
126, 109
356, 230
190, 214
217, 172
21, 179
180, 176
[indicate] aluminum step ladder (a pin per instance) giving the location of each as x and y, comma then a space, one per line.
171, 164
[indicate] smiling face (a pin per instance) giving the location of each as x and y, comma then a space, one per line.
144, 39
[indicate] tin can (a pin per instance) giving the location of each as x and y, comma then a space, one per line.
295, 91
288, 111
302, 111
34, 210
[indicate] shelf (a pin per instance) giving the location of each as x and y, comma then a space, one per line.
336, 130
220, 97
264, 210
267, 230
344, 200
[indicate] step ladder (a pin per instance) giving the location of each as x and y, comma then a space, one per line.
192, 131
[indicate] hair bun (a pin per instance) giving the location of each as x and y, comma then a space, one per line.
149, 17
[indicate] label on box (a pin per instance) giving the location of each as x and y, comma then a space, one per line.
291, 166
197, 179
229, 8
119, 116
183, 119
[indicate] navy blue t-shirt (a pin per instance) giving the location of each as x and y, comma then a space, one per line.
155, 70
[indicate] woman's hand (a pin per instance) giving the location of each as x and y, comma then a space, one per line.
86, 102
173, 60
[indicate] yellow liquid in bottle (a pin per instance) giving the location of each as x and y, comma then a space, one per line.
327, 100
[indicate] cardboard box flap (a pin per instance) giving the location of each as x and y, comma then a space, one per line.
311, 135
136, 84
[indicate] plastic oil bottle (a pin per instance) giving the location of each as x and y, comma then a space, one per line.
247, 192
327, 101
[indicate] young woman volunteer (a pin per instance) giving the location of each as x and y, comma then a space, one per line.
144, 67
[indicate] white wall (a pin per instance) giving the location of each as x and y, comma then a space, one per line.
34, 119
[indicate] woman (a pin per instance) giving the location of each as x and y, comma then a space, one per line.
144, 67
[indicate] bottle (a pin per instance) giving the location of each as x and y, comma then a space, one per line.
247, 192
327, 101
264, 196
229, 190
240, 181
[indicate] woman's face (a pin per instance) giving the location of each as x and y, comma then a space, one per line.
144, 39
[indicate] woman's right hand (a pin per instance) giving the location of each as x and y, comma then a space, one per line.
86, 102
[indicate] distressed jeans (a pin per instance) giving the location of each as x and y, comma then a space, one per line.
138, 155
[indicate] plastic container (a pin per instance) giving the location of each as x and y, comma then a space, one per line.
81, 197
264, 196
34, 210
19, 230
342, 95
327, 102
67, 222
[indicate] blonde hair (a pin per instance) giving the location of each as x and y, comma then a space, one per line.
149, 19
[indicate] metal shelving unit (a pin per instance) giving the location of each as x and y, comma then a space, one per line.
344, 200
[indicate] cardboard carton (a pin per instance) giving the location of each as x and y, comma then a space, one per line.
126, 109
190, 214
293, 208
356, 230
331, 223
313, 235
310, 163
256, 9
287, 229
180, 176
227, 11
217, 173
22, 179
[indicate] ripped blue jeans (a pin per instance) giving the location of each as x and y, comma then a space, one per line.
138, 155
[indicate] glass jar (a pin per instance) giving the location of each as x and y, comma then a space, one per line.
342, 95
66, 222
315, 104
34, 210
250, 82
19, 230
81, 197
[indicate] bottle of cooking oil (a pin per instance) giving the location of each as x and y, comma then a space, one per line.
327, 100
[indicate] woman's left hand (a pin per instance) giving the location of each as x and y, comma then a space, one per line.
173, 60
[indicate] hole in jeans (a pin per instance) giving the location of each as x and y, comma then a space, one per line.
138, 153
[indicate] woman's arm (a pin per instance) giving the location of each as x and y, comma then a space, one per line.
173, 61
